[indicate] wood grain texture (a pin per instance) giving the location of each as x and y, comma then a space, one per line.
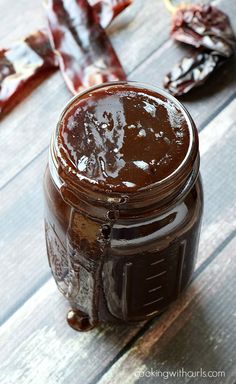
199, 331
19, 18
22, 239
36, 345
205, 100
33, 120
24, 265
36, 337
217, 143
26, 131
128, 32
39, 347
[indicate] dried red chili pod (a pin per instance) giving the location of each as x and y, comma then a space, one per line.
204, 26
21, 61
86, 56
107, 10
24, 59
191, 72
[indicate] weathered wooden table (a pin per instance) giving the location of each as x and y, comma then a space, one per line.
199, 330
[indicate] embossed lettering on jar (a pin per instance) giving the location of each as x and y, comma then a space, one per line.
123, 203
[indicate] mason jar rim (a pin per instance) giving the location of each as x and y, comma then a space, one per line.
191, 153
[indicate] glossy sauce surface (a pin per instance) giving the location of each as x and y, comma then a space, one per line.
123, 138
122, 259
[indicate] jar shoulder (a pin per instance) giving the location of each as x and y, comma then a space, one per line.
172, 224
131, 231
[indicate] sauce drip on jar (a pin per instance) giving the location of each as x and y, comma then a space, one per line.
123, 203
123, 138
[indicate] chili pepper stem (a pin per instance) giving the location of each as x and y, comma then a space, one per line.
173, 8
169, 5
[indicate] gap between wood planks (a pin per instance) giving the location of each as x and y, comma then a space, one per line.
220, 131
153, 72
201, 127
217, 112
200, 332
8, 329
213, 115
25, 291
158, 50
137, 336
45, 278
149, 323
166, 42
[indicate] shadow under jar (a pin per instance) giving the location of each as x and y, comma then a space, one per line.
123, 203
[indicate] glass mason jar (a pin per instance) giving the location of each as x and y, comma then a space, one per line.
119, 256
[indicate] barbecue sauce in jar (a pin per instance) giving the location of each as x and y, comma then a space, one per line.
123, 203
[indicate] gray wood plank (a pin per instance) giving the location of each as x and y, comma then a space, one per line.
206, 100
49, 349
200, 326
147, 26
217, 144
36, 339
32, 121
18, 18
198, 332
22, 239
24, 265
26, 130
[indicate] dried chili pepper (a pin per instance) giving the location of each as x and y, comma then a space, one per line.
21, 61
107, 10
24, 59
191, 72
208, 29
204, 26
85, 54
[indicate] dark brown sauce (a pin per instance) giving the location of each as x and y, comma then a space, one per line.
127, 258
78, 321
123, 138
